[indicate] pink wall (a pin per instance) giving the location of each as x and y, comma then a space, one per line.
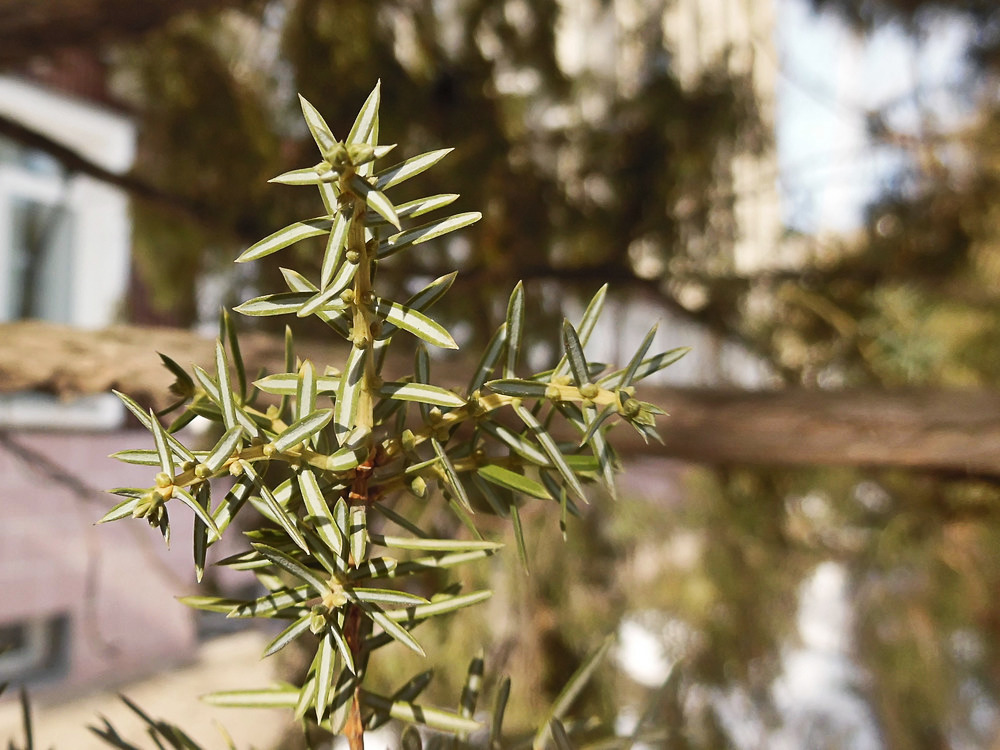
116, 582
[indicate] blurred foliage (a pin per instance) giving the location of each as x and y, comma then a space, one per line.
912, 298
572, 169
568, 188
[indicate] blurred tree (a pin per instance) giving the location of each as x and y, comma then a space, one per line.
567, 190
572, 171
29, 29
911, 300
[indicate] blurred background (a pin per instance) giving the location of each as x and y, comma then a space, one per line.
804, 191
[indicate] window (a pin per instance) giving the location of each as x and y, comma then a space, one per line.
64, 238
26, 158
41, 261
34, 648
36, 243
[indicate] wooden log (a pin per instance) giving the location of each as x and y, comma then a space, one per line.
933, 429
921, 428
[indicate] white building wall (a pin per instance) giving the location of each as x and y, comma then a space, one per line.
605, 42
85, 275
105, 137
703, 33
102, 251
101, 225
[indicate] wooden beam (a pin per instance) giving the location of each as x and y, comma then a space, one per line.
940, 430
932, 429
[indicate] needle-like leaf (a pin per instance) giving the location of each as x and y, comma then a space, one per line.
304, 176
587, 323
410, 168
421, 393
497, 715
317, 127
440, 606
322, 516
633, 366
385, 596
515, 329
522, 548
552, 450
511, 480
182, 453
305, 391
279, 696
518, 388
329, 297
432, 545
234, 501
451, 477
415, 322
426, 232
326, 673
226, 399
298, 570
574, 354
375, 200
435, 718
349, 392
516, 442
358, 534
396, 631
303, 429
163, 452
473, 684
283, 303
277, 512
650, 366
198, 508
570, 692
274, 604
233, 341
490, 358
343, 648
334, 254
289, 235
287, 384
367, 117
286, 636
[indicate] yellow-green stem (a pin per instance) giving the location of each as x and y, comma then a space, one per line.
363, 332
364, 335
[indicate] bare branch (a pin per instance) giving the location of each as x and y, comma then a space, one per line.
74, 162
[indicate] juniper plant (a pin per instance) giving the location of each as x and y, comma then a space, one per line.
324, 461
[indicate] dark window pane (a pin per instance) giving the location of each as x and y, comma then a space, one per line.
41, 259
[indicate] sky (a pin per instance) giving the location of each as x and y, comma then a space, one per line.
829, 79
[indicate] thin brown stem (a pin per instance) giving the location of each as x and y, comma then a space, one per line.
354, 729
